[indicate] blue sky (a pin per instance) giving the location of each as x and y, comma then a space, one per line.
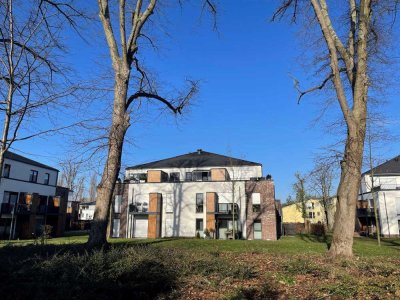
247, 106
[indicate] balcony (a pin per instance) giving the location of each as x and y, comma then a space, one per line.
138, 208
227, 208
365, 212
6, 208
23, 208
386, 186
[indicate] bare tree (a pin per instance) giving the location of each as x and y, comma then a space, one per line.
71, 178
93, 187
320, 182
351, 47
299, 188
31, 77
130, 19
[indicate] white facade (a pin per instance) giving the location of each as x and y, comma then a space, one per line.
387, 196
86, 211
18, 179
178, 213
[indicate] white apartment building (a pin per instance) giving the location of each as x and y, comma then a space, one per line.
184, 195
28, 197
386, 188
86, 211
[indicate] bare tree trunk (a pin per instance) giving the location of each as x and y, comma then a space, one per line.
349, 185
105, 190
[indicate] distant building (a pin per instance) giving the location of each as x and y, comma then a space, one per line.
314, 212
185, 195
86, 211
386, 189
30, 198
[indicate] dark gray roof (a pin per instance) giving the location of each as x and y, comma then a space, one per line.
387, 168
196, 159
20, 158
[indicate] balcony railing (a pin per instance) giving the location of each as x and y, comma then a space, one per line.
386, 186
227, 208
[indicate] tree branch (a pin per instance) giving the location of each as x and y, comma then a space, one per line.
32, 52
296, 84
175, 109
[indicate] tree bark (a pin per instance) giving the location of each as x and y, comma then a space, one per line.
105, 190
343, 229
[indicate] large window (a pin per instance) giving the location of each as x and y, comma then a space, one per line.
46, 178
199, 225
201, 175
199, 203
7, 169
257, 230
174, 177
33, 176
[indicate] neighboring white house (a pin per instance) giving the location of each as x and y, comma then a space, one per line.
86, 211
386, 188
23, 183
184, 195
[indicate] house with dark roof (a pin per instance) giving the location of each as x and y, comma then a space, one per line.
195, 194
30, 198
383, 184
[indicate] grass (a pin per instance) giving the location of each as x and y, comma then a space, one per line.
291, 268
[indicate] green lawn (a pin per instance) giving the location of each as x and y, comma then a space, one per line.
291, 268
300, 244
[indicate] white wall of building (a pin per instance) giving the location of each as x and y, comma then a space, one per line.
86, 212
388, 201
18, 180
181, 197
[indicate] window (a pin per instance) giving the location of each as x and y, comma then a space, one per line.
116, 225
201, 176
188, 176
7, 169
46, 178
174, 177
199, 225
117, 204
311, 215
256, 200
199, 203
33, 176
257, 230
10, 197
256, 208
318, 214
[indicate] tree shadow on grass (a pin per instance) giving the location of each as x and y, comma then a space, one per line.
309, 238
72, 272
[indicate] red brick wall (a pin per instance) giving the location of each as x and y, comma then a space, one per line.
267, 213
